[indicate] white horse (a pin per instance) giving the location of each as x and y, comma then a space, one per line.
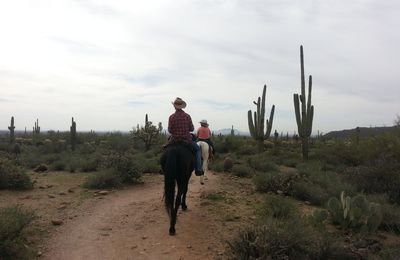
205, 155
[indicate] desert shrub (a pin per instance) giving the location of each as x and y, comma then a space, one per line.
382, 175
13, 222
317, 218
242, 170
261, 163
390, 252
149, 161
13, 176
58, 165
217, 166
308, 191
228, 144
104, 179
150, 165
278, 207
318, 185
289, 162
117, 142
277, 240
125, 165
277, 182
247, 149
391, 218
91, 164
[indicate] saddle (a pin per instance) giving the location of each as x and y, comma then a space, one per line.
183, 143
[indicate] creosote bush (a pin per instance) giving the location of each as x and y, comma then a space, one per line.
242, 170
119, 169
13, 222
283, 240
279, 207
13, 176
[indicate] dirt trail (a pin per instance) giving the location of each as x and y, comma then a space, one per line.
133, 224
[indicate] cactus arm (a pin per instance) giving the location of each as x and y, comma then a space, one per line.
251, 125
269, 122
262, 115
297, 111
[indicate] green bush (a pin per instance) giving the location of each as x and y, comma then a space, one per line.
242, 170
13, 222
279, 207
282, 240
391, 218
391, 252
261, 163
104, 179
13, 176
217, 166
317, 185
308, 191
277, 182
58, 165
382, 175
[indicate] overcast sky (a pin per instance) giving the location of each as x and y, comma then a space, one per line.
108, 63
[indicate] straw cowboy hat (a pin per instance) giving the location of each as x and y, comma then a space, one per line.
179, 103
203, 122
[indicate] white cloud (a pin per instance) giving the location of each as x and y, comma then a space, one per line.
109, 63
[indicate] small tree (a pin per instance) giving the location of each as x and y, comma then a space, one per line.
148, 133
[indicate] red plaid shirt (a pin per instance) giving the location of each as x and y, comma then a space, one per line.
180, 125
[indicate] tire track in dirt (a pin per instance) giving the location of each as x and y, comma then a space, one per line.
132, 224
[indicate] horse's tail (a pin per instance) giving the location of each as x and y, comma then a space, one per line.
169, 181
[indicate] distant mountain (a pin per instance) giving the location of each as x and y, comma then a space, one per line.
364, 132
227, 131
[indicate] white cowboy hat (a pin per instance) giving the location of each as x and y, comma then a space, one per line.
203, 122
179, 103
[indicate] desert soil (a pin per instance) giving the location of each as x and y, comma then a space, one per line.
131, 223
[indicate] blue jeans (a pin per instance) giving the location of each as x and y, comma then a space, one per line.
198, 164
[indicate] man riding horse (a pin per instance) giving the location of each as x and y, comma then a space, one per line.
179, 126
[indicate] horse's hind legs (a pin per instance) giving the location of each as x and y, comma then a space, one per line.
172, 223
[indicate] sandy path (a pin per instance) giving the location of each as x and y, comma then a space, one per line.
133, 224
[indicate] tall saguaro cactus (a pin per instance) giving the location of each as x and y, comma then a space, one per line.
256, 127
11, 128
304, 118
73, 134
36, 128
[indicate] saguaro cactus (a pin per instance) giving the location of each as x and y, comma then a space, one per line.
257, 127
73, 134
36, 128
11, 128
304, 118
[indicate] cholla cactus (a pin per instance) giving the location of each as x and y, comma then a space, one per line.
147, 133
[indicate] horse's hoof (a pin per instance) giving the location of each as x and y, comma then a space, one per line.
184, 208
172, 231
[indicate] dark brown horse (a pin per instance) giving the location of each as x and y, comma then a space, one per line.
177, 165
